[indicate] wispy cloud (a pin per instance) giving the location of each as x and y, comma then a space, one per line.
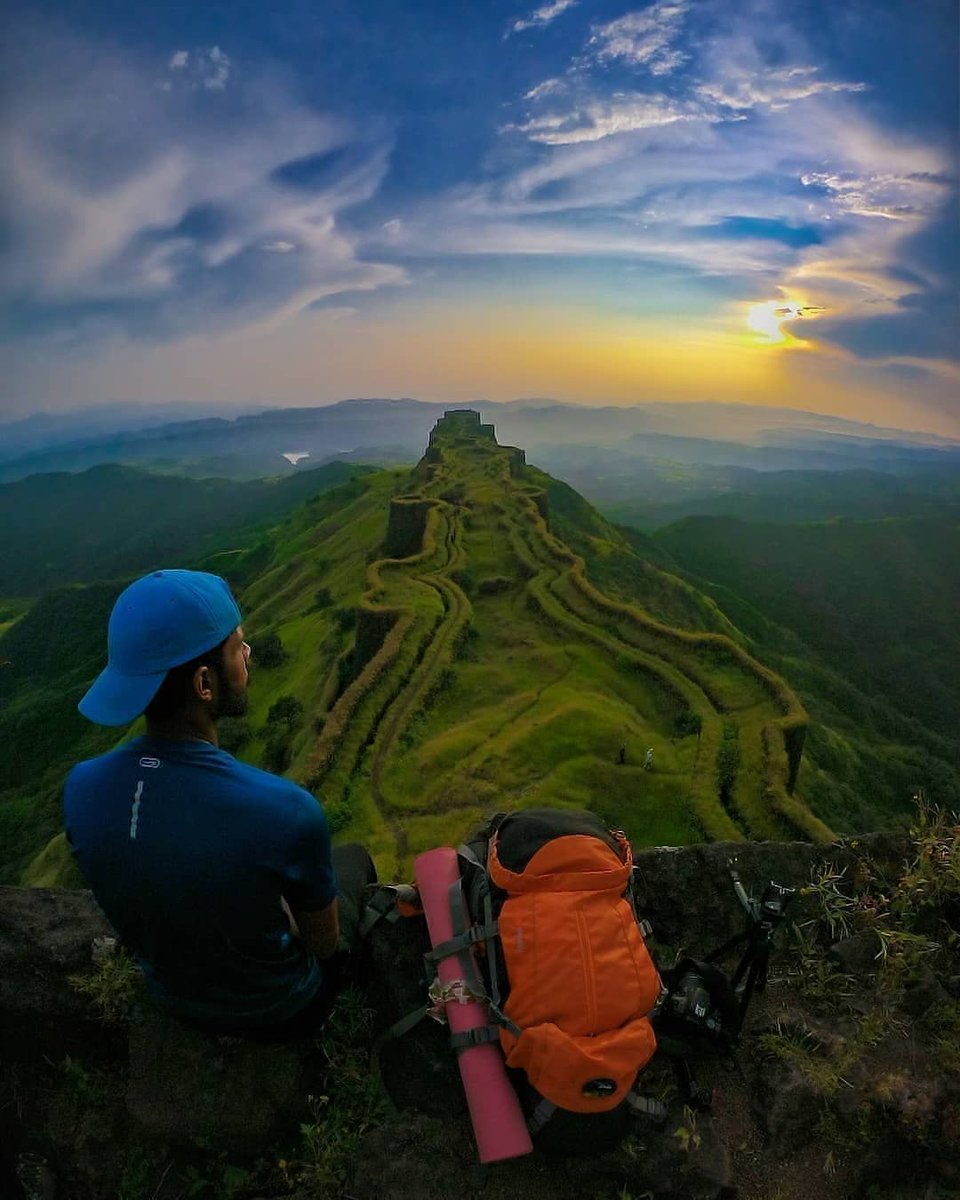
744, 136
891, 197
174, 219
541, 16
776, 87
600, 119
647, 38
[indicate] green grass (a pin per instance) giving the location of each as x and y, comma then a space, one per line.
524, 693
448, 698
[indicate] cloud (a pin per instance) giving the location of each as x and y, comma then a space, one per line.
549, 87
754, 158
138, 212
643, 39
600, 119
773, 87
207, 69
216, 69
541, 16
892, 197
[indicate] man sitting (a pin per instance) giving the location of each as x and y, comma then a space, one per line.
219, 877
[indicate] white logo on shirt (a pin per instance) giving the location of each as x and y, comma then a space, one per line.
149, 762
135, 811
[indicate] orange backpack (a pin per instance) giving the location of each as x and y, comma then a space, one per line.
581, 980
571, 983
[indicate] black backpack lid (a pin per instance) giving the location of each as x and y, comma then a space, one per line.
521, 834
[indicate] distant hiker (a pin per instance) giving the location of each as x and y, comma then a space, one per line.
648, 759
622, 756
219, 877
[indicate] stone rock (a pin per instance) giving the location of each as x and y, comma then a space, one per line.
857, 954
922, 995
688, 896
186, 1087
46, 935
434, 1159
786, 1106
687, 893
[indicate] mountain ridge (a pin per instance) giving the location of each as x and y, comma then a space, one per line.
431, 644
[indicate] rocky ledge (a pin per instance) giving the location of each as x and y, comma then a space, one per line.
846, 1083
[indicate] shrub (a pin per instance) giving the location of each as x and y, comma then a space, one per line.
464, 579
322, 598
277, 752
267, 650
286, 711
233, 733
688, 722
344, 618
493, 584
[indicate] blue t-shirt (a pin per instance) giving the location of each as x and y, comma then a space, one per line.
188, 852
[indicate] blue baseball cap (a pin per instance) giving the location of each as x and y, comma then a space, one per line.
159, 622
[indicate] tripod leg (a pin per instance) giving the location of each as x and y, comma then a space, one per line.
691, 1092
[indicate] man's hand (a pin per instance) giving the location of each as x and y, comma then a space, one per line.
319, 931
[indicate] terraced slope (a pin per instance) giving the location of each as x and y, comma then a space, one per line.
440, 653
488, 672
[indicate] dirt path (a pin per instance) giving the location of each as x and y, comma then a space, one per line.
408, 699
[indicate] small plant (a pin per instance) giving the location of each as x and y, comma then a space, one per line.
902, 952
686, 1134
824, 987
833, 907
112, 985
940, 1026
351, 1104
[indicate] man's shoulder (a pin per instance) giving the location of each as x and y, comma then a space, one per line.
263, 782
89, 769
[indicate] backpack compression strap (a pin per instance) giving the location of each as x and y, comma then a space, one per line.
461, 945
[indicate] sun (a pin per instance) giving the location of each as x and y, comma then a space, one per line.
767, 319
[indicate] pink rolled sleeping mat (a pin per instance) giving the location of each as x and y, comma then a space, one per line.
498, 1121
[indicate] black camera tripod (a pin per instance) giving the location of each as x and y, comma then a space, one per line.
718, 1019
764, 917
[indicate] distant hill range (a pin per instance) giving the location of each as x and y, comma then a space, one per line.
470, 635
253, 444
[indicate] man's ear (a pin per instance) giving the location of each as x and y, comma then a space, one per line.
203, 684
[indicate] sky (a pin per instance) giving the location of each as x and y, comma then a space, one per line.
294, 203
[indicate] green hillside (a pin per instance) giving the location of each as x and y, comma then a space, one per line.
787, 497
880, 597
487, 671
436, 644
862, 618
111, 521
51, 649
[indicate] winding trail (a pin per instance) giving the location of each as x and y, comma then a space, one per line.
437, 652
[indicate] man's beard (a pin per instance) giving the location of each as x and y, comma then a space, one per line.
231, 702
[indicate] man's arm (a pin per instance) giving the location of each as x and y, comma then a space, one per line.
319, 930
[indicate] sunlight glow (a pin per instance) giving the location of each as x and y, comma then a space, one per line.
767, 319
